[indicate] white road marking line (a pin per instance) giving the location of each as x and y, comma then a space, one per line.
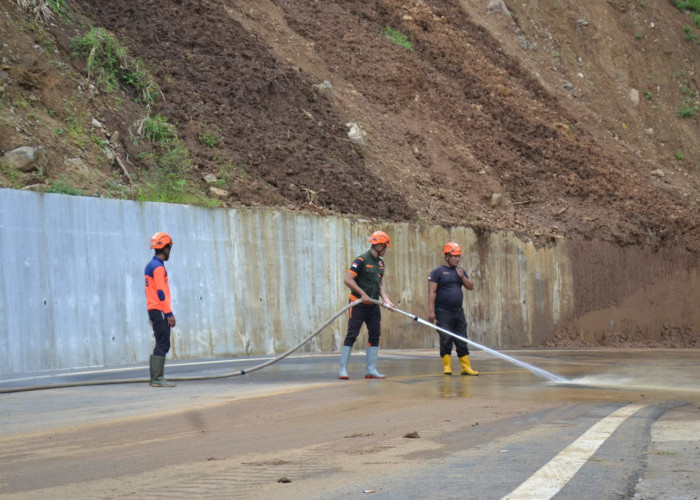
553, 476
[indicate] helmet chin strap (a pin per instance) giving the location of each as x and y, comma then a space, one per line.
376, 247
448, 256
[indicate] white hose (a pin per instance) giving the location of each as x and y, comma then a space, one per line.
523, 364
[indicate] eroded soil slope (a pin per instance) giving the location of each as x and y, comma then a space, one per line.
521, 118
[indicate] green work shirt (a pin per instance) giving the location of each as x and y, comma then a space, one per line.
368, 271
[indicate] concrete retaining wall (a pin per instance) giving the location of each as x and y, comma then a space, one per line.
244, 281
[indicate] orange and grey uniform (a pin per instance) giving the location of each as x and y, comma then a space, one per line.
368, 271
158, 304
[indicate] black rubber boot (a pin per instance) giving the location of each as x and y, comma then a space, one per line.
157, 368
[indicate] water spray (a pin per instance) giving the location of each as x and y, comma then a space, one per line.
537, 371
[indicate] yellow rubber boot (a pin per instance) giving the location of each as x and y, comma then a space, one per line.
466, 367
447, 364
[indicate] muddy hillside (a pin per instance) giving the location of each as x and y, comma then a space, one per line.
548, 119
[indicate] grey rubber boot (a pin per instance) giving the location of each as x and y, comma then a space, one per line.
344, 358
153, 368
371, 370
157, 368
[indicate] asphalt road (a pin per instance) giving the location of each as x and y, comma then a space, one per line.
626, 424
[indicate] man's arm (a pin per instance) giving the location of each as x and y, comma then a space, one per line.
466, 282
352, 285
163, 291
432, 292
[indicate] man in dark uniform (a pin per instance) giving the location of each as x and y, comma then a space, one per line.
445, 307
365, 281
160, 312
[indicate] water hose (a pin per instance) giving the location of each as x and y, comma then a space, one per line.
181, 379
278, 358
522, 364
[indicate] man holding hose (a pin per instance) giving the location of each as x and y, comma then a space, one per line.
365, 279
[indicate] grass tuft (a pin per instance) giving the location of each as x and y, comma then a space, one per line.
692, 5
688, 108
109, 63
398, 38
45, 10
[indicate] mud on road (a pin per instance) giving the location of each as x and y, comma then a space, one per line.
294, 431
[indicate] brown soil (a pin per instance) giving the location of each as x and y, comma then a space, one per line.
477, 108
567, 110
569, 336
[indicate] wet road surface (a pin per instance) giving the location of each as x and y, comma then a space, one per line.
626, 424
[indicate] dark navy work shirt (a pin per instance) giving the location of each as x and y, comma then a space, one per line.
449, 291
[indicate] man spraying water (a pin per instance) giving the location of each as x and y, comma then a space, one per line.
365, 279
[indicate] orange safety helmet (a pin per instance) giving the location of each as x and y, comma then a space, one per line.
161, 240
452, 248
379, 237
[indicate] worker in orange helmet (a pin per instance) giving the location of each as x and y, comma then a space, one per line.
445, 307
365, 279
160, 312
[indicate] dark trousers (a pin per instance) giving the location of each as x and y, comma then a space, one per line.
371, 316
455, 322
161, 331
